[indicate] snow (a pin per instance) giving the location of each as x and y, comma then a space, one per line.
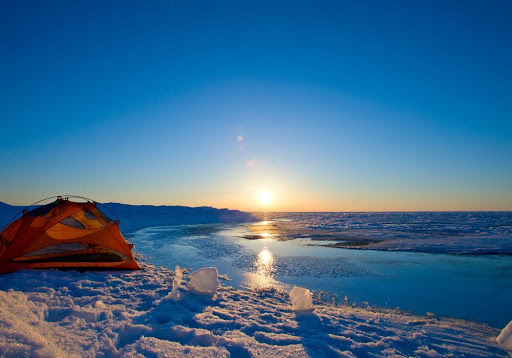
52, 313
178, 276
505, 337
302, 299
205, 279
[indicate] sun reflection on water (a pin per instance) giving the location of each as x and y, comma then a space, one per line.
265, 263
264, 267
264, 230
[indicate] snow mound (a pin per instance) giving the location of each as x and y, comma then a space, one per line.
205, 279
302, 299
505, 337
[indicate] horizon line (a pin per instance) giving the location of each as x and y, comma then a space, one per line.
294, 211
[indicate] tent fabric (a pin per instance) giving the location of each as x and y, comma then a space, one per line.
64, 234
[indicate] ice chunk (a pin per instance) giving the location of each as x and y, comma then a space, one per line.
178, 276
205, 279
505, 337
302, 299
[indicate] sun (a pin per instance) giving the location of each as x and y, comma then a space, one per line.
265, 197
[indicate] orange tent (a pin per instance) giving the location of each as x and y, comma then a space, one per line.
64, 234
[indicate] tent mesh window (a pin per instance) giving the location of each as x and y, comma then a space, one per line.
57, 249
90, 220
73, 252
105, 217
88, 257
69, 221
90, 215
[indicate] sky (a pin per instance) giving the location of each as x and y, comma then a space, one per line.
258, 105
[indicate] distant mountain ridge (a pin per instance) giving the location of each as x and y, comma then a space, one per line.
134, 217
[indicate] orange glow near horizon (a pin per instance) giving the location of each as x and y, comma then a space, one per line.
271, 191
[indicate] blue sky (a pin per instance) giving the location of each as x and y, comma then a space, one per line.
341, 105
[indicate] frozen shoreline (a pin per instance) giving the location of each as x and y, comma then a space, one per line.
474, 287
67, 313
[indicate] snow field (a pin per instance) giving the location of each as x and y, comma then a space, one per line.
134, 314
